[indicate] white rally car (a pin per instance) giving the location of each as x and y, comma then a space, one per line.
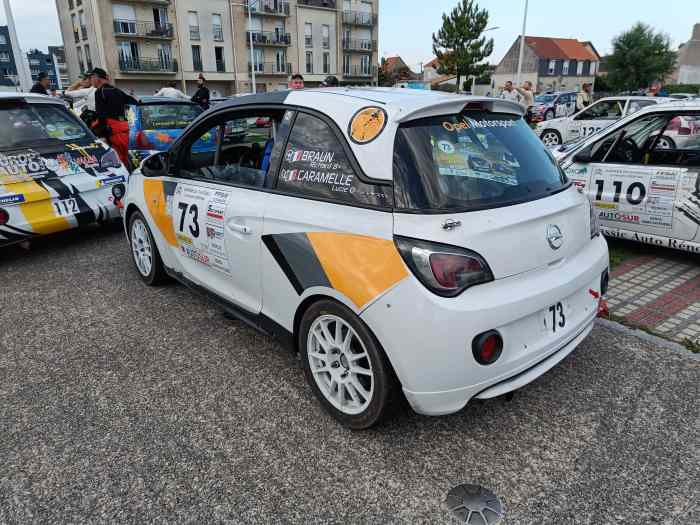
401, 241
595, 117
643, 175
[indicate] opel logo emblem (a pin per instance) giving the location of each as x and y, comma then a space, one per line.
555, 238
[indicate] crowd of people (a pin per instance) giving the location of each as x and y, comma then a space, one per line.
525, 96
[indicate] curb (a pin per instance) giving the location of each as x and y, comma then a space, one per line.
654, 339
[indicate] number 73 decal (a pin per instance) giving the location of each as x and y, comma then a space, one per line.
189, 209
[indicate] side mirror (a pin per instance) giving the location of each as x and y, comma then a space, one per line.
584, 156
157, 165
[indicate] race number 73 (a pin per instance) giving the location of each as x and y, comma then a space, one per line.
189, 209
634, 192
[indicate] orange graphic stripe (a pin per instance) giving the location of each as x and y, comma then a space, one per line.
154, 193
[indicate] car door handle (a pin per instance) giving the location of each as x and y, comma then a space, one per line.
239, 228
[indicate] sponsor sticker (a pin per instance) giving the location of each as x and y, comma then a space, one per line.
367, 124
14, 198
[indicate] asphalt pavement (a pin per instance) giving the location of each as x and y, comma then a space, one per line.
121, 403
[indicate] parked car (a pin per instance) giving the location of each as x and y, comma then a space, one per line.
423, 244
595, 117
156, 122
684, 96
263, 122
54, 173
642, 175
554, 105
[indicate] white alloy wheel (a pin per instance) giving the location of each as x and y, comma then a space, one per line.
550, 138
141, 247
664, 143
340, 364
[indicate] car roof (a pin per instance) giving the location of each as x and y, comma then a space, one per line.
31, 97
146, 101
341, 104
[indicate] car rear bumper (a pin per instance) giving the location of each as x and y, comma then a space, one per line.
428, 338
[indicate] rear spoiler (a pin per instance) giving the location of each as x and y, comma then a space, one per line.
494, 105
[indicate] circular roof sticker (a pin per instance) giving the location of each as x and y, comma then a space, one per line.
367, 124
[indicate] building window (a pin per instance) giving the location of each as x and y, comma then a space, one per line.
280, 61
88, 57
593, 67
220, 61
218, 28
326, 63
308, 34
552, 67
326, 33
76, 29
197, 58
309, 62
193, 18
579, 68
4, 56
3, 40
364, 64
346, 64
71, 4
81, 64
565, 67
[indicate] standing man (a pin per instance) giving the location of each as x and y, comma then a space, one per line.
110, 111
202, 96
171, 91
297, 82
41, 86
584, 98
83, 95
528, 99
509, 93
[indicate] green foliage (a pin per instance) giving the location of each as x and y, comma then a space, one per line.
682, 88
602, 84
459, 45
640, 56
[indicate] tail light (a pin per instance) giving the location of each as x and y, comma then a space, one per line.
4, 217
487, 347
443, 269
142, 141
110, 160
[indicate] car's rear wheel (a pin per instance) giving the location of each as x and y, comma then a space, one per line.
144, 251
345, 365
551, 137
665, 142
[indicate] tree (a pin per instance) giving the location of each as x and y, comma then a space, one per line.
459, 45
640, 56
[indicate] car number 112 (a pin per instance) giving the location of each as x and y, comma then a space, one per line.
66, 207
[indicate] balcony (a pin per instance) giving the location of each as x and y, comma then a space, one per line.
362, 46
220, 66
132, 28
271, 68
269, 38
359, 18
218, 32
323, 4
268, 8
147, 65
359, 71
194, 33
83, 32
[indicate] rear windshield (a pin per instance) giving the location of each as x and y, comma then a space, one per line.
168, 116
23, 124
471, 161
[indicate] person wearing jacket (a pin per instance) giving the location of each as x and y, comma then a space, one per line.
171, 91
202, 96
41, 87
584, 97
110, 111
83, 94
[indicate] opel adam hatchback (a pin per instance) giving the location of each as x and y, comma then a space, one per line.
54, 174
402, 242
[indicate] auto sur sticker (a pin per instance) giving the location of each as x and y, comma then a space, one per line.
367, 124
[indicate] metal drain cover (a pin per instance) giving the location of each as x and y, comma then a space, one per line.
475, 505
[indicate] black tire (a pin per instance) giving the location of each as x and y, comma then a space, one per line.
554, 133
157, 274
386, 388
671, 143
549, 114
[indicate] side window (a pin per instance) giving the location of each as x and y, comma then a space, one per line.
315, 165
636, 105
605, 109
679, 143
628, 144
238, 150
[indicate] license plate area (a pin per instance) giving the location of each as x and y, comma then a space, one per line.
556, 316
66, 207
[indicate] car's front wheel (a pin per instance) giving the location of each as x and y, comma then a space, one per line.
345, 365
549, 114
144, 251
551, 137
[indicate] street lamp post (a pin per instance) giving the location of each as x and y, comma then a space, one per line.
250, 4
522, 47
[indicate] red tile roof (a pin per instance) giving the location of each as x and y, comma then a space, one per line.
560, 48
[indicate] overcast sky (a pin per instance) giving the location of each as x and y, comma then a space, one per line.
406, 26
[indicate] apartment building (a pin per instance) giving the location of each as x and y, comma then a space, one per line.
144, 44
58, 55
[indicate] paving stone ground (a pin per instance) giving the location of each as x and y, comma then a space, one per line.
660, 292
